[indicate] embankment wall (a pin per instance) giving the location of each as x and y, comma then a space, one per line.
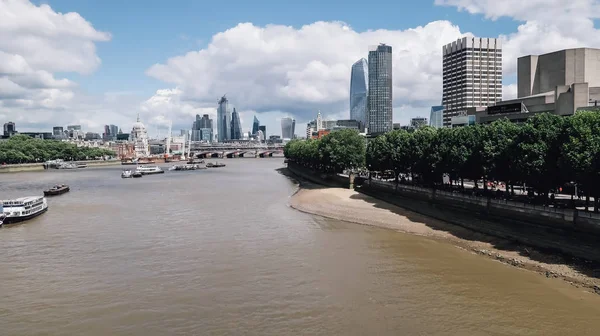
26, 167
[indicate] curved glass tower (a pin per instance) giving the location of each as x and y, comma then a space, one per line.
223, 120
255, 125
288, 127
359, 87
236, 126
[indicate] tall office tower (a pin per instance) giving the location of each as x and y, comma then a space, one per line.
380, 113
472, 72
236, 126
288, 126
359, 87
263, 128
255, 125
223, 120
436, 117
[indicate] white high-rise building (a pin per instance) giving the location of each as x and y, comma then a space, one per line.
472, 72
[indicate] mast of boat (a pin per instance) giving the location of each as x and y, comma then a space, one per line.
168, 149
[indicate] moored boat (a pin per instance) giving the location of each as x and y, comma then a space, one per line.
81, 165
126, 174
149, 170
215, 165
22, 209
57, 190
136, 174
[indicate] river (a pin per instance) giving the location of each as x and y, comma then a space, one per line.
219, 252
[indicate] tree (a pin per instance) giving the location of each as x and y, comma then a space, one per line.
344, 149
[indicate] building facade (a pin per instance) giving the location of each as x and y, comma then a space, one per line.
9, 129
223, 120
559, 82
202, 129
379, 106
139, 137
288, 128
359, 89
255, 125
236, 126
472, 75
418, 122
436, 116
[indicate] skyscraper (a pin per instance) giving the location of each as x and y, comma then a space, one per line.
472, 70
379, 107
202, 128
263, 128
255, 125
359, 87
288, 126
436, 118
236, 126
223, 120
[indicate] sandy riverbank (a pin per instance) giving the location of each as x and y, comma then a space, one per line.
351, 206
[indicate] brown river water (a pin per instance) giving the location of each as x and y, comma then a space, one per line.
219, 252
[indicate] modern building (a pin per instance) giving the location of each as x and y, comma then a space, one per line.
75, 132
139, 137
418, 122
559, 82
359, 88
255, 125
436, 116
10, 129
110, 132
379, 107
347, 123
236, 126
58, 132
263, 128
472, 75
202, 128
223, 120
311, 127
39, 135
462, 120
288, 127
92, 136
260, 136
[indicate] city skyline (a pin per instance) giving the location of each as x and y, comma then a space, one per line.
173, 76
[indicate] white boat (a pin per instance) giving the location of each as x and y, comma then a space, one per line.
22, 209
148, 170
127, 173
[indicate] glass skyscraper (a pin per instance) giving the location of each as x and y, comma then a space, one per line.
379, 107
223, 120
255, 125
436, 117
288, 126
359, 87
236, 127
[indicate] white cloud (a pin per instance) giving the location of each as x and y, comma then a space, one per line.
280, 68
35, 43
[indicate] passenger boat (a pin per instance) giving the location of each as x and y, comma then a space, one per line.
136, 174
215, 165
188, 167
126, 174
149, 170
81, 165
57, 190
22, 209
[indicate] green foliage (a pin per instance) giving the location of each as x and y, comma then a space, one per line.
333, 153
24, 149
545, 152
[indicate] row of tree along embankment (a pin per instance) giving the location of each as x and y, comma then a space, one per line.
566, 231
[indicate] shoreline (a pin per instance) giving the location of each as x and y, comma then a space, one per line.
358, 208
36, 167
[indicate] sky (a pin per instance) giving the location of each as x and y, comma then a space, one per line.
97, 62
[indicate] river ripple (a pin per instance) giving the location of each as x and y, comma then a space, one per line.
219, 252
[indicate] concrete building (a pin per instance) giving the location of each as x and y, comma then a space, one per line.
559, 82
380, 112
418, 122
436, 116
10, 129
359, 87
472, 75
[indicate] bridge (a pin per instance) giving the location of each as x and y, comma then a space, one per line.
236, 150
